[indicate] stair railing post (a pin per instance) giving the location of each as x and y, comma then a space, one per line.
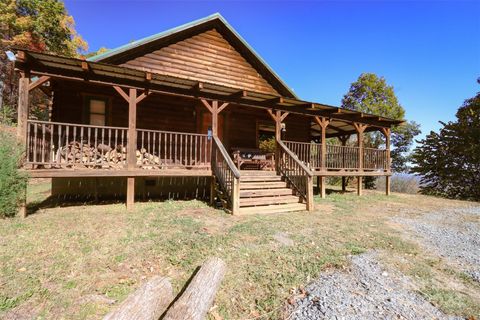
309, 192
235, 196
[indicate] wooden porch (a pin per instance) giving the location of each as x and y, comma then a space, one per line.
62, 149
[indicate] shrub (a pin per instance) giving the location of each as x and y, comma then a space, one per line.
268, 145
12, 181
403, 183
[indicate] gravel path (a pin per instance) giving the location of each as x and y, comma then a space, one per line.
366, 291
453, 234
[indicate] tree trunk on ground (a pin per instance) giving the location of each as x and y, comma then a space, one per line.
197, 298
148, 302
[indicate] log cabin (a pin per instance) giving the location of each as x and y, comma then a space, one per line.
166, 116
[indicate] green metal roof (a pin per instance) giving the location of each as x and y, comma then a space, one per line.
135, 44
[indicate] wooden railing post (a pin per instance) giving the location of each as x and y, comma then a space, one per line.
310, 192
235, 196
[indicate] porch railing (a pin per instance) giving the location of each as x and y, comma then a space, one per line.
165, 149
338, 157
67, 145
294, 170
227, 174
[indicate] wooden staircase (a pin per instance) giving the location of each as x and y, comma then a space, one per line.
265, 192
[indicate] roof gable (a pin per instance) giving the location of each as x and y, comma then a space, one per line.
214, 23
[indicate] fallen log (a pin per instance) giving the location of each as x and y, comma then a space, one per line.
197, 298
148, 302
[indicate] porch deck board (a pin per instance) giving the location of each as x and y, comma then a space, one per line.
71, 173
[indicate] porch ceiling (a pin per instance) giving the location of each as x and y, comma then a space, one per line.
107, 74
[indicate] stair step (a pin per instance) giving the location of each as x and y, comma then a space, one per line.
274, 208
257, 173
260, 178
262, 201
265, 192
262, 185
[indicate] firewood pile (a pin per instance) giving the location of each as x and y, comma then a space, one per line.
84, 153
102, 155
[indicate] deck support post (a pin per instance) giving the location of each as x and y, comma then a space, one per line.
212, 191
387, 185
386, 132
359, 186
130, 192
323, 192
360, 130
344, 184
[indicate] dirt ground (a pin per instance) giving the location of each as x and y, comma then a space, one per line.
78, 261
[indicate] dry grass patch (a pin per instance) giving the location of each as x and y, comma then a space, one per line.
80, 261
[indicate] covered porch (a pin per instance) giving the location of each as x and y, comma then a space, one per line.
213, 116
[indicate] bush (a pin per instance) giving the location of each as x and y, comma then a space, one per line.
403, 183
12, 181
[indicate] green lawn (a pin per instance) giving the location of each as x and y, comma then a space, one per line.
74, 261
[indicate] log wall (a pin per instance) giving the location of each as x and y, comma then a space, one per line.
205, 57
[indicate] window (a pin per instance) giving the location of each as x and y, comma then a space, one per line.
97, 112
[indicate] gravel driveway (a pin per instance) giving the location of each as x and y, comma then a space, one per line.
453, 234
366, 291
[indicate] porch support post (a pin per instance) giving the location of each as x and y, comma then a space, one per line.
131, 145
343, 140
386, 133
22, 117
23, 104
360, 130
323, 123
214, 109
278, 118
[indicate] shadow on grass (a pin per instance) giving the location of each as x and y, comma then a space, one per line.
333, 191
50, 202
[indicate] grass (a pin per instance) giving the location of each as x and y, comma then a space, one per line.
66, 260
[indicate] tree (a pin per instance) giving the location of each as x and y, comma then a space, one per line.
372, 94
42, 25
449, 161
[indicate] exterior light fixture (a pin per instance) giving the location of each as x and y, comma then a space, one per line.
10, 55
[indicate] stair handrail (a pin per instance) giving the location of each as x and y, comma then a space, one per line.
302, 178
227, 174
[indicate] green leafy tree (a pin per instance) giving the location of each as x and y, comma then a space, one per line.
42, 25
372, 94
449, 161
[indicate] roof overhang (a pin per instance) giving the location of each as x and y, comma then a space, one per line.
106, 74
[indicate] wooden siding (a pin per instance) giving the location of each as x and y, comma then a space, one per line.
205, 57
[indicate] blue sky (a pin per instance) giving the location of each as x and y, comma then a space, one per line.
428, 50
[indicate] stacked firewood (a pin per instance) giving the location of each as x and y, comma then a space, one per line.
102, 154
76, 152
